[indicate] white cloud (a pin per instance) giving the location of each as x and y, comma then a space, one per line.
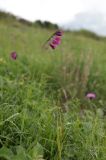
75, 13
57, 11
95, 5
94, 21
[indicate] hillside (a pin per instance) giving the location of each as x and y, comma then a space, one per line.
44, 112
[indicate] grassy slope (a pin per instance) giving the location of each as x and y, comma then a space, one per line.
35, 87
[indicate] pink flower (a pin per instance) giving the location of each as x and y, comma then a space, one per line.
91, 95
14, 55
52, 46
59, 33
55, 42
57, 38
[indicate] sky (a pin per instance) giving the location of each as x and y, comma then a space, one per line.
71, 14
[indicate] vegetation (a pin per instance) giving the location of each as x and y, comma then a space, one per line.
44, 112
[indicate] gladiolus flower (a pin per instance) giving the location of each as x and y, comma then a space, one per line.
55, 39
91, 95
14, 55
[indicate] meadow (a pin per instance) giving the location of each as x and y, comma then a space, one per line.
44, 112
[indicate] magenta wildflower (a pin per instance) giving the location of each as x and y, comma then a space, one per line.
59, 33
55, 39
52, 46
55, 42
91, 95
14, 55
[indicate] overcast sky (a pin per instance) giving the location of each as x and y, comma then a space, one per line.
89, 14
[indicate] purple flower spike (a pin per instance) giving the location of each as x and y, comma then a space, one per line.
52, 46
14, 55
59, 33
56, 41
91, 95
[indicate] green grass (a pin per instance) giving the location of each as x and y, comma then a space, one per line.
43, 110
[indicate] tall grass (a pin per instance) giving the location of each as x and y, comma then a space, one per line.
44, 113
